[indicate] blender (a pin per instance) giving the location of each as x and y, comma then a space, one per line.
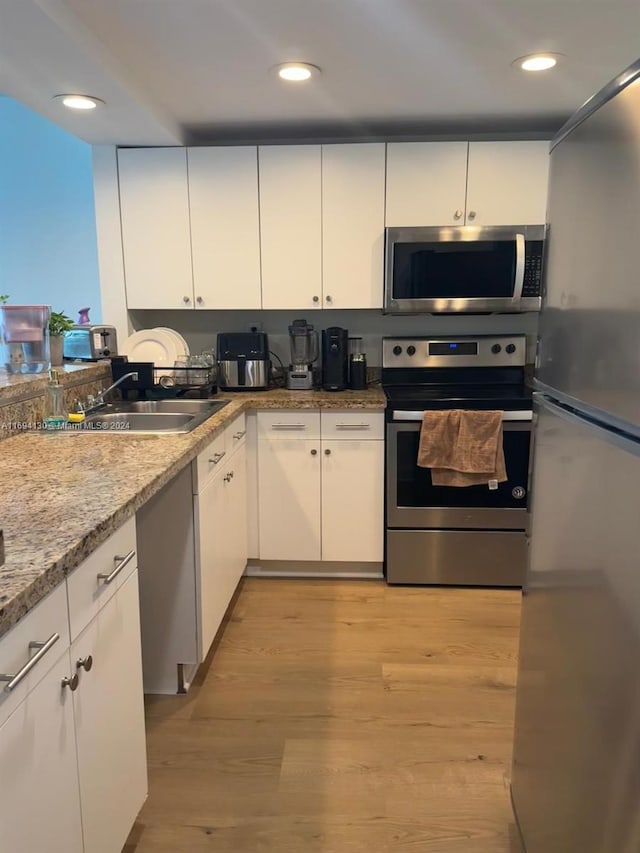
304, 352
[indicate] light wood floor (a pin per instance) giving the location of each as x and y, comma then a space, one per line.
339, 717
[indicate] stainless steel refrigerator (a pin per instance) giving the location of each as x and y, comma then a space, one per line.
576, 768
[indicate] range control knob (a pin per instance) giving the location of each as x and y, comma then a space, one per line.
397, 350
496, 348
510, 348
411, 350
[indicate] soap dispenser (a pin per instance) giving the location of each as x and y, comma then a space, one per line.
55, 416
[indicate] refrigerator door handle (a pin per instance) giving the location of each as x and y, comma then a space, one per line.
519, 276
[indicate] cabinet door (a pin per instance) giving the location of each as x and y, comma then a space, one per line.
156, 240
507, 183
109, 715
237, 518
289, 498
352, 225
426, 183
291, 226
225, 231
214, 549
39, 799
352, 500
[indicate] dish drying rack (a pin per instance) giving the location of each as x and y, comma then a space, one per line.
155, 381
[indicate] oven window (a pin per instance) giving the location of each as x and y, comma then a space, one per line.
456, 270
415, 489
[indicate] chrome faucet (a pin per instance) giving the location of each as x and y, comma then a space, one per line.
98, 400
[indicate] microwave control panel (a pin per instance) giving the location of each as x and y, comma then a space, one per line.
532, 283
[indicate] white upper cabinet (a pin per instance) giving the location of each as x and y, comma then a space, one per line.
426, 183
353, 179
156, 240
225, 227
291, 226
507, 183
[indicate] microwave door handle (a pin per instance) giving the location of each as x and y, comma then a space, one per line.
519, 277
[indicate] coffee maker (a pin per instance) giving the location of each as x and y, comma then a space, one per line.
304, 353
335, 358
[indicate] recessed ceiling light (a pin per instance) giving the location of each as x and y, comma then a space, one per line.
79, 102
537, 61
296, 72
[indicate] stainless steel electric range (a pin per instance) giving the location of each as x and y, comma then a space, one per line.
441, 534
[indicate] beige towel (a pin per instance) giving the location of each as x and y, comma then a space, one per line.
462, 448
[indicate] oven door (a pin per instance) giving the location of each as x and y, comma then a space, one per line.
414, 502
464, 269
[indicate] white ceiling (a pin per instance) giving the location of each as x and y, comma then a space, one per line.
198, 70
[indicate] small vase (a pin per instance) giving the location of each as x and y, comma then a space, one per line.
55, 349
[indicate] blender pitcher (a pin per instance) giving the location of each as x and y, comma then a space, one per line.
304, 352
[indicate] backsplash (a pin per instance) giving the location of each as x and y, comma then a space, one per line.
201, 327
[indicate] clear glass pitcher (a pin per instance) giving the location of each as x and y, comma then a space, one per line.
24, 338
304, 343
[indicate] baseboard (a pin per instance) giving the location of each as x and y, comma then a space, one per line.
313, 569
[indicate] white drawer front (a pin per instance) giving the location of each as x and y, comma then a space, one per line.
49, 618
88, 592
235, 434
353, 424
209, 462
289, 424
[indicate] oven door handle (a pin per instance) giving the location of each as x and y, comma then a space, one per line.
518, 417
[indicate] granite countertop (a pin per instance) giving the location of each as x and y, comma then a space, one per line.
69, 492
18, 386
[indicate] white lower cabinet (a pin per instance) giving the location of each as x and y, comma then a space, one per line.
321, 498
289, 498
39, 798
352, 500
109, 718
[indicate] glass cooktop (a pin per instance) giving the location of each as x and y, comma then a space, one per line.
505, 397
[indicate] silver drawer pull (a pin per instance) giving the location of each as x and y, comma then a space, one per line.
353, 426
240, 434
43, 648
217, 457
288, 426
121, 562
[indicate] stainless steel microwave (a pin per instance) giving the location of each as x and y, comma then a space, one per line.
464, 269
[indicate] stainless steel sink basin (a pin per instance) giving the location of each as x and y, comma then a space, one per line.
151, 416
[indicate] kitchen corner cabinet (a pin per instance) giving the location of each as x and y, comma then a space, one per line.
225, 228
321, 479
353, 182
156, 239
458, 183
291, 226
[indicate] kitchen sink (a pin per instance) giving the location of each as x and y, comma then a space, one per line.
151, 416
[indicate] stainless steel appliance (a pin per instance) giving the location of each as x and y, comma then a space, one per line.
575, 782
304, 353
90, 343
464, 269
243, 361
335, 358
442, 534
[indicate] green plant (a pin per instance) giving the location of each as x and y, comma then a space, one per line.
4, 298
59, 324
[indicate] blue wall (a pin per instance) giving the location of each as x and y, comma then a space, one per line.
48, 252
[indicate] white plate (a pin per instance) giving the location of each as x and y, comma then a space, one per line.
154, 345
183, 345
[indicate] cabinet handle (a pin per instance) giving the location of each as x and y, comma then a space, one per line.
217, 457
471, 214
120, 562
353, 426
314, 452
85, 663
316, 299
240, 434
328, 298
199, 300
457, 214
186, 300
288, 426
71, 682
43, 648
327, 452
